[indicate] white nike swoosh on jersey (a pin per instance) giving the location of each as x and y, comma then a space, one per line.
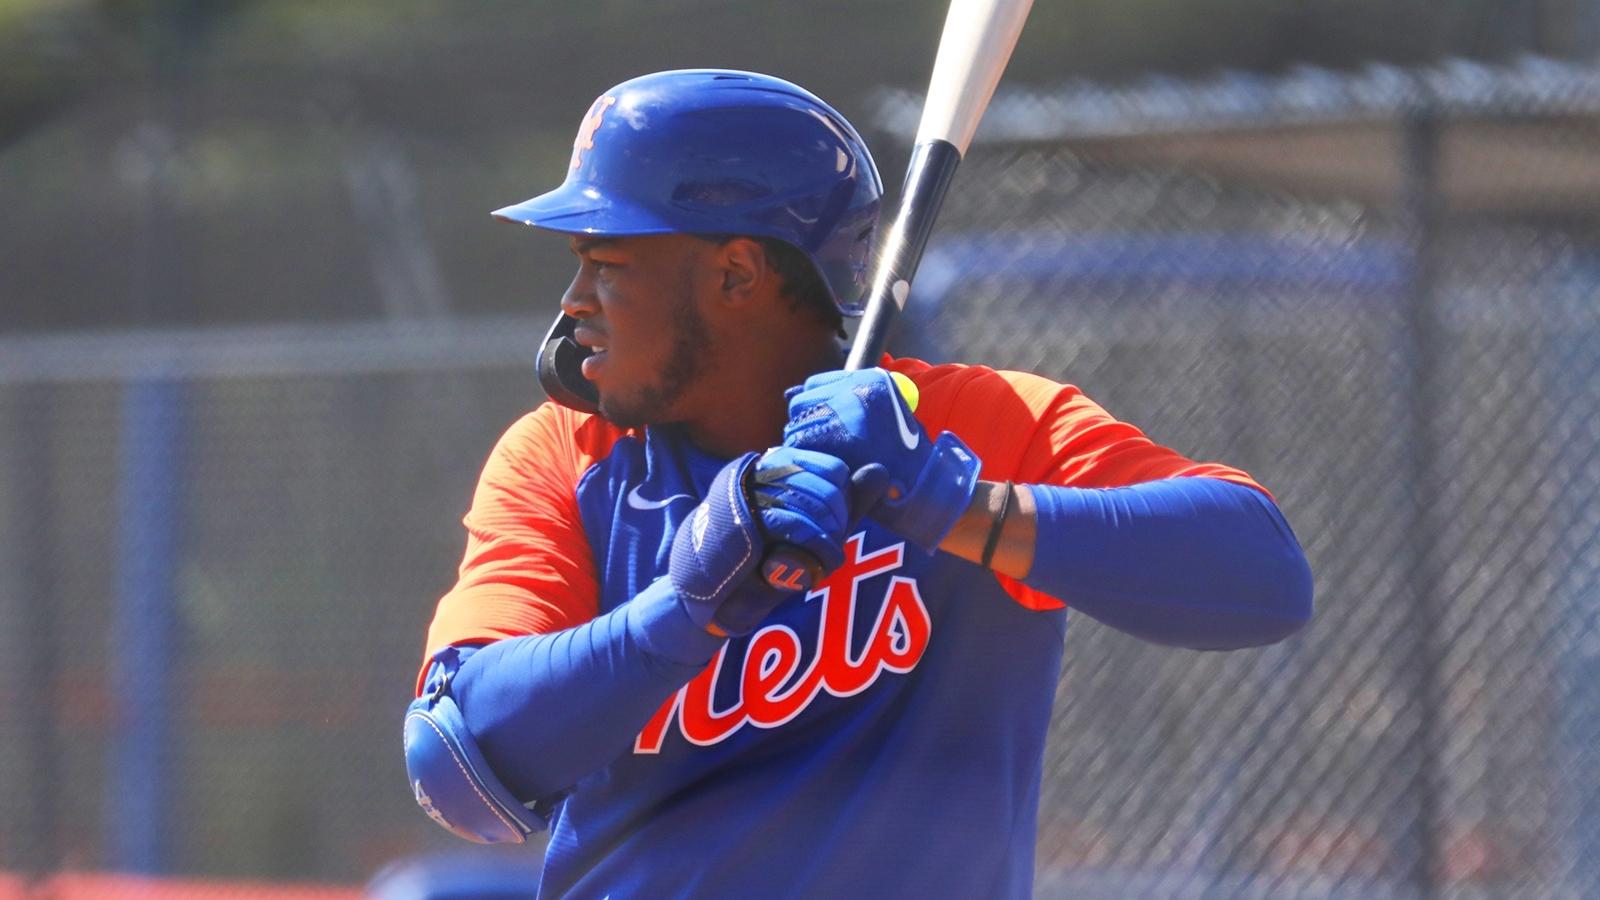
638, 502
907, 436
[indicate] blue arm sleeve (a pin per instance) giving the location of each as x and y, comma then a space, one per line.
1187, 562
548, 709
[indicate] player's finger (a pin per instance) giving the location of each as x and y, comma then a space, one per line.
868, 486
809, 495
787, 527
822, 379
780, 463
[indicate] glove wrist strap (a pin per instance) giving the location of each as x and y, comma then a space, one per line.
944, 489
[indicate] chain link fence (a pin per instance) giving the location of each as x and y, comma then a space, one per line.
215, 604
1422, 393
218, 557
1420, 386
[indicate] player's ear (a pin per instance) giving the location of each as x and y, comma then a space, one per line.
742, 265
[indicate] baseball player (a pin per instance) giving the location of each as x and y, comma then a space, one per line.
612, 664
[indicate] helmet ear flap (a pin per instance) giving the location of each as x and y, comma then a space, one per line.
561, 368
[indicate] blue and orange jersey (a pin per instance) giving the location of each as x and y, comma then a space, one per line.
900, 708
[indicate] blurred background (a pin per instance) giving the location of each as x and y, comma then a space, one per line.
258, 333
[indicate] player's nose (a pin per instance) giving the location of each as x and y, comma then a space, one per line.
579, 300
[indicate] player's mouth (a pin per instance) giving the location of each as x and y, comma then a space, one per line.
594, 342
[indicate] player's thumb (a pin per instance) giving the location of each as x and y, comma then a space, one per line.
868, 485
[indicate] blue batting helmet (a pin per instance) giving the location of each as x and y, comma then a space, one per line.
709, 151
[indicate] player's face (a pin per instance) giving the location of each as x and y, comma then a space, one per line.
637, 302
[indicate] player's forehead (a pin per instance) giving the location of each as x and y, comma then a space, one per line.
672, 245
584, 243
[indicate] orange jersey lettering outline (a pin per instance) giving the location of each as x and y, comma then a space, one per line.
591, 124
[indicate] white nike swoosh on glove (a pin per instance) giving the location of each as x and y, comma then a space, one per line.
907, 436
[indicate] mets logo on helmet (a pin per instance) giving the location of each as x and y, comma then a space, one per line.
591, 124
776, 684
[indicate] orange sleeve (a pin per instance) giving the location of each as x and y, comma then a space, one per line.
1032, 430
528, 567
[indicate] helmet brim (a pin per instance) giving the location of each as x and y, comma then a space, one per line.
574, 209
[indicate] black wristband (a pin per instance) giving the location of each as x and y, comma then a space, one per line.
995, 529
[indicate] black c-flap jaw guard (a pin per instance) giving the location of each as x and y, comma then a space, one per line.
561, 368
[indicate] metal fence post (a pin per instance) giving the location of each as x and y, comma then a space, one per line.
1421, 336
1570, 377
144, 624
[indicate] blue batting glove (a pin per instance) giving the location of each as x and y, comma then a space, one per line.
861, 418
786, 495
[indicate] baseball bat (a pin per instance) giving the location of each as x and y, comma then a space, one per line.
978, 38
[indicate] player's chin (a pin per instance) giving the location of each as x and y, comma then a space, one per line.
616, 408
613, 403
633, 402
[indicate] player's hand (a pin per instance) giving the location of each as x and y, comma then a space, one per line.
862, 417
796, 497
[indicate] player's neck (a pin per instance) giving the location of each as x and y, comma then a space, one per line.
745, 409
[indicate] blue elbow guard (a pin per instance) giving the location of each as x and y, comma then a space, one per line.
450, 778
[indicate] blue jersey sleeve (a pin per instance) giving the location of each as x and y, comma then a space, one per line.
548, 709
1187, 562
